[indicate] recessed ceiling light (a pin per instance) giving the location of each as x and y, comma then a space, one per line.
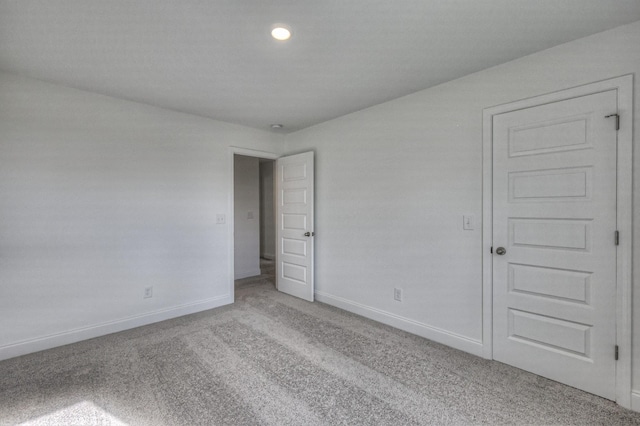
277, 126
281, 33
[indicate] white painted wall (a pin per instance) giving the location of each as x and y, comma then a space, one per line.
267, 212
101, 197
393, 182
247, 216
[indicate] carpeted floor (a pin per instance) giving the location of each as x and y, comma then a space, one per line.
271, 359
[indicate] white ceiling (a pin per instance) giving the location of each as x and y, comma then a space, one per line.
216, 59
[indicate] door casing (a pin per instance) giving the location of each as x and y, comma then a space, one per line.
624, 87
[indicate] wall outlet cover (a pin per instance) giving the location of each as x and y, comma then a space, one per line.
397, 294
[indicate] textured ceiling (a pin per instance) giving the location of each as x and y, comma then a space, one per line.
216, 59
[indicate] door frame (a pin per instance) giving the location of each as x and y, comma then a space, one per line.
624, 87
234, 150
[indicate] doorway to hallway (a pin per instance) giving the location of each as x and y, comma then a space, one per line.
254, 218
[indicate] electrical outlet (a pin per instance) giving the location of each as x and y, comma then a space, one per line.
221, 219
148, 292
397, 294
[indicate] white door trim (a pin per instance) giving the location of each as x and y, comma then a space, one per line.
233, 150
624, 87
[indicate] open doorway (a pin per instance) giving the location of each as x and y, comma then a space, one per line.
254, 221
293, 185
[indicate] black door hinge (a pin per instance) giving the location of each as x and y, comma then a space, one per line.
617, 116
617, 238
617, 352
491, 251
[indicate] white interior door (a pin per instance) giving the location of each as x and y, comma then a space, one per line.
554, 210
294, 223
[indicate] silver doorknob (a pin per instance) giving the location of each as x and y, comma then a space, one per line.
307, 234
501, 251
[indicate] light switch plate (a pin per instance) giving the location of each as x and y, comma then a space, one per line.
468, 222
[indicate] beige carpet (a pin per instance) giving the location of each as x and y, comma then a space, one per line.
274, 360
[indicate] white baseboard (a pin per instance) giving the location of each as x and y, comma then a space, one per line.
635, 400
453, 340
76, 335
246, 274
269, 256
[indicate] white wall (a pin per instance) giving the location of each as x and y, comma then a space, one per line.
247, 216
267, 212
100, 198
393, 182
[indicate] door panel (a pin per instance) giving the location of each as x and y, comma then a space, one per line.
554, 283
554, 210
294, 255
